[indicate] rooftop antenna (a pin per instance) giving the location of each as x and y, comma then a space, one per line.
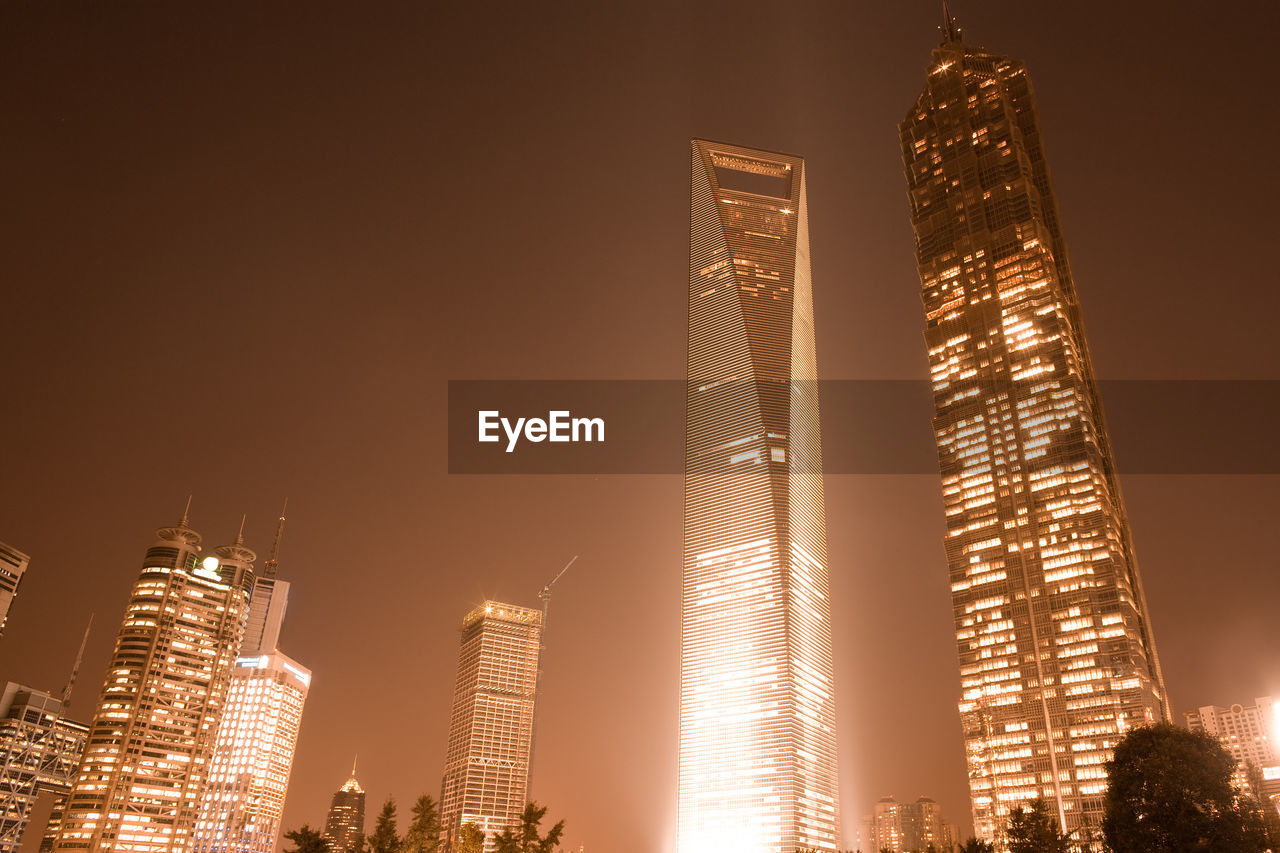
75, 670
354, 761
240, 532
545, 595
950, 30
186, 513
269, 567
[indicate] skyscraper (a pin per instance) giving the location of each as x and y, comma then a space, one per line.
39, 752
152, 737
486, 770
1251, 734
1055, 647
243, 802
13, 565
757, 765
344, 824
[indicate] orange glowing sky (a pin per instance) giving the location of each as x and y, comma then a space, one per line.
246, 246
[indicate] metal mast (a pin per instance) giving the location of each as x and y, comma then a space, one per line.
545, 595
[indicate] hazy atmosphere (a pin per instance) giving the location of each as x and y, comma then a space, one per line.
246, 248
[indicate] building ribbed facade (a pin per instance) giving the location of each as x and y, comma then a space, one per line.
149, 746
13, 565
40, 749
757, 761
1056, 654
486, 772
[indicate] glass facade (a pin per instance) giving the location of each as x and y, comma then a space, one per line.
149, 746
1055, 647
486, 772
243, 802
757, 763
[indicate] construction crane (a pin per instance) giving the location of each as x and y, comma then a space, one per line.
545, 595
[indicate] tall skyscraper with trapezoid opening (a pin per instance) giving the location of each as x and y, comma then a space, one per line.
757, 764
1054, 639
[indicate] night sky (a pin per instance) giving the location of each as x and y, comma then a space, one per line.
246, 246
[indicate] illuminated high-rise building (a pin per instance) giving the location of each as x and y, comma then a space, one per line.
149, 746
486, 770
344, 824
885, 826
1056, 653
1251, 733
269, 602
757, 762
13, 565
40, 749
243, 802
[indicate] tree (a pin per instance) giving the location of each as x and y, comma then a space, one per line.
470, 839
306, 840
1035, 830
1264, 810
423, 834
384, 838
1170, 791
974, 845
524, 838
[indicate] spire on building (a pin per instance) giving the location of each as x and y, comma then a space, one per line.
238, 550
951, 31
75, 669
269, 566
181, 532
353, 785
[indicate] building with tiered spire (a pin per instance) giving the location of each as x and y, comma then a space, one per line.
243, 803
149, 747
344, 825
1053, 633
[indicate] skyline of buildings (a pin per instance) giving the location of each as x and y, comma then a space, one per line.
1157, 690
757, 744
151, 740
1052, 631
486, 769
910, 827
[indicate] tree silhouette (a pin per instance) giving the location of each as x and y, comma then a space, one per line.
975, 845
423, 834
384, 838
524, 838
306, 840
470, 839
1170, 791
1035, 830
